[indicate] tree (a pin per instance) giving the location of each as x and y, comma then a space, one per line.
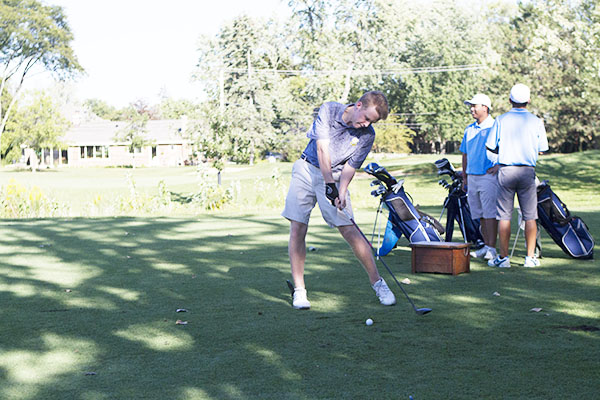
443, 57
554, 47
392, 136
175, 109
240, 72
38, 126
32, 35
134, 132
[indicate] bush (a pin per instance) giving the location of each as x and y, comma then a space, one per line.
210, 196
392, 136
17, 201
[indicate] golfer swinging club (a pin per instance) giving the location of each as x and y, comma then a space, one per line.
340, 139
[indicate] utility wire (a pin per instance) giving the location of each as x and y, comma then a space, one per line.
361, 72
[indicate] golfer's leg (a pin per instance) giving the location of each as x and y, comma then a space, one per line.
504, 236
530, 236
489, 229
297, 252
361, 250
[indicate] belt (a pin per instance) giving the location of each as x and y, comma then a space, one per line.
305, 158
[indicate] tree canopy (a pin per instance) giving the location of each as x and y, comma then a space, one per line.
264, 78
32, 35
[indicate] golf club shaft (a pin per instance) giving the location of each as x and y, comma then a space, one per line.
380, 259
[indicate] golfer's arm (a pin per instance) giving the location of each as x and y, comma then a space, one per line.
345, 179
324, 159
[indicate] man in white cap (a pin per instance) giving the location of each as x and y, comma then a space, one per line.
518, 136
479, 173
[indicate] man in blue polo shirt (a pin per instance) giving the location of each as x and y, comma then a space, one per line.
518, 136
479, 173
340, 139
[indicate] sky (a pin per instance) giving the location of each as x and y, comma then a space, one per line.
136, 49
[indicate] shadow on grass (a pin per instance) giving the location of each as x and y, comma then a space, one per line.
89, 312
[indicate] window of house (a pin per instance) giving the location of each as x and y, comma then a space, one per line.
153, 151
98, 151
105, 152
90, 151
82, 151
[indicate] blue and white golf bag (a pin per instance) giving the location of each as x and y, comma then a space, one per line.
569, 232
404, 218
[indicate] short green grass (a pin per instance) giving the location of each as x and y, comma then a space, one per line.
89, 307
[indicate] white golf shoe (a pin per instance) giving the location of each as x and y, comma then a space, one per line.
383, 292
486, 252
531, 262
500, 262
300, 302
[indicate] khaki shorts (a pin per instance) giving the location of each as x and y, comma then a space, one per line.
520, 180
482, 194
307, 188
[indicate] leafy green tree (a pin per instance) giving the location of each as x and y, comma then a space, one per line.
443, 58
38, 126
135, 131
32, 35
170, 108
103, 110
239, 70
554, 47
392, 136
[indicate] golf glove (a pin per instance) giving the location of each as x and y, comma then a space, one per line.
331, 192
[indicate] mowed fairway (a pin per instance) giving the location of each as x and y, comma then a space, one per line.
89, 309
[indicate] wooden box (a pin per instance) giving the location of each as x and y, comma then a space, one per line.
441, 257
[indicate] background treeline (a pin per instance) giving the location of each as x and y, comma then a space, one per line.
264, 78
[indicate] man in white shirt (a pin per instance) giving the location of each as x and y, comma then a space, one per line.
518, 136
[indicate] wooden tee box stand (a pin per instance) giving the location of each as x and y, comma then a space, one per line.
441, 257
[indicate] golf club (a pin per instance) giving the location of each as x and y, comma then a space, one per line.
420, 311
291, 287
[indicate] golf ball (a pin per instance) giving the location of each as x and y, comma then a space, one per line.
369, 322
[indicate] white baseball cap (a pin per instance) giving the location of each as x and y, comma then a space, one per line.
480, 98
520, 93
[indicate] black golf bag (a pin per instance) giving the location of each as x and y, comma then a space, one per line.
569, 232
404, 218
457, 206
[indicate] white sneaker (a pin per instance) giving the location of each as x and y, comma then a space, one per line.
486, 252
383, 292
531, 262
300, 302
500, 262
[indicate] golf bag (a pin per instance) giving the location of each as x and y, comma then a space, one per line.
569, 232
404, 218
457, 206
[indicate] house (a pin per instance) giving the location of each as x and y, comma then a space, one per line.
93, 144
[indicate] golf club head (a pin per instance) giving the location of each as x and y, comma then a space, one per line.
423, 311
381, 174
443, 164
291, 287
376, 182
379, 191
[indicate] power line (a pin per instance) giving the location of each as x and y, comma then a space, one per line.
360, 72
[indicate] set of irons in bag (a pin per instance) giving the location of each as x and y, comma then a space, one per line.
569, 232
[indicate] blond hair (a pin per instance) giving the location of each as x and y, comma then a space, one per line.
377, 99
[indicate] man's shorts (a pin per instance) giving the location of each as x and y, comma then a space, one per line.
482, 194
520, 180
307, 188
